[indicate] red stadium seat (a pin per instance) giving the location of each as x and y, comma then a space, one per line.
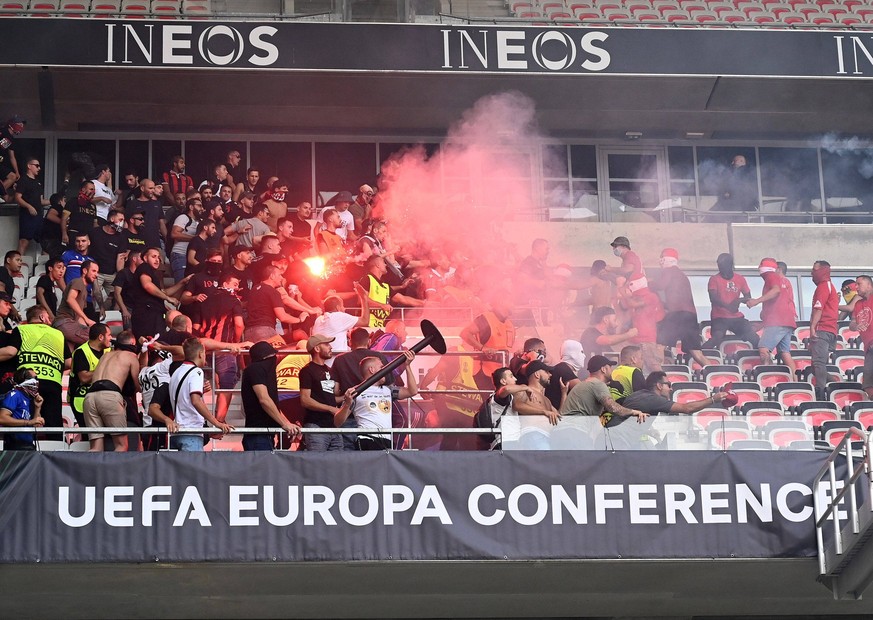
686, 392
816, 413
722, 435
782, 433
747, 391
677, 372
730, 347
769, 375
862, 411
792, 393
746, 359
833, 432
848, 359
706, 417
759, 413
716, 375
844, 393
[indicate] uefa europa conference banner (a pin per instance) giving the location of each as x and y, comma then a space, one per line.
288, 506
444, 48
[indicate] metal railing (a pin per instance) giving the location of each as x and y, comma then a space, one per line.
853, 474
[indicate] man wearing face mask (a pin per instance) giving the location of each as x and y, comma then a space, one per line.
204, 283
22, 407
727, 290
80, 216
109, 249
220, 317
260, 395
778, 314
822, 324
276, 203
680, 322
533, 349
631, 265
572, 362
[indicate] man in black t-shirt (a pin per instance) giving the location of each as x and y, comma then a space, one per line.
241, 259
603, 333
302, 227
319, 395
9, 172
203, 284
80, 215
133, 234
265, 307
124, 284
30, 199
148, 296
154, 226
108, 248
198, 247
260, 395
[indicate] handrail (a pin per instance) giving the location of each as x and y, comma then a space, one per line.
832, 510
244, 430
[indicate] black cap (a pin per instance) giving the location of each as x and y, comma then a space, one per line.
621, 241
262, 350
531, 367
343, 197
6, 297
599, 361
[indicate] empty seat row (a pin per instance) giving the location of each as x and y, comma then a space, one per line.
778, 432
107, 8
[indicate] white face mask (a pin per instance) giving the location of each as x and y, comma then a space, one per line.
668, 261
616, 251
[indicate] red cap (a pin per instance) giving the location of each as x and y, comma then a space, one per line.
768, 263
670, 253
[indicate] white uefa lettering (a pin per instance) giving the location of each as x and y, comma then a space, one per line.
270, 509
542, 504
601, 503
673, 504
561, 499
191, 507
569, 50
473, 504
710, 504
372, 505
430, 505
782, 502
746, 499
216, 59
318, 500
87, 512
238, 505
637, 503
173, 44
271, 52
150, 506
396, 498
111, 506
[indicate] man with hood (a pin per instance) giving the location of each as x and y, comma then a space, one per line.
822, 324
260, 393
726, 291
680, 320
572, 361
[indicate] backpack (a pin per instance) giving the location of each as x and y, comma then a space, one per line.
485, 419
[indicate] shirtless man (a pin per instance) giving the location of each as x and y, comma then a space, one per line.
534, 400
104, 403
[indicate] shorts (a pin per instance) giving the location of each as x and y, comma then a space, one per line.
29, 226
776, 337
227, 370
187, 443
104, 408
680, 326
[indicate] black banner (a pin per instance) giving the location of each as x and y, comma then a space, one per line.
434, 48
288, 506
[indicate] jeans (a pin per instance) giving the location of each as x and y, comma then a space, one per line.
322, 442
740, 327
187, 443
227, 370
820, 346
258, 443
178, 262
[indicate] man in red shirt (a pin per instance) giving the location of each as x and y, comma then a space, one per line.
778, 314
862, 321
822, 324
646, 311
726, 290
631, 265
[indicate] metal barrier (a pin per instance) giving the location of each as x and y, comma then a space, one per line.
853, 474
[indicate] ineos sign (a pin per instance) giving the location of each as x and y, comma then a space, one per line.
177, 44
552, 50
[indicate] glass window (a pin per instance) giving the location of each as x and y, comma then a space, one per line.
583, 161
848, 183
789, 181
291, 162
77, 160
133, 156
555, 161
723, 186
343, 166
201, 157
163, 152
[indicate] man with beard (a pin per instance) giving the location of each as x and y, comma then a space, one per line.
361, 209
80, 216
603, 333
203, 283
108, 248
534, 400
185, 228
260, 393
175, 180
276, 204
726, 291
319, 395
134, 233
778, 314
154, 227
862, 321
71, 319
302, 229
250, 184
823, 326
198, 247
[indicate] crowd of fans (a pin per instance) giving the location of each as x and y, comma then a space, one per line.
224, 265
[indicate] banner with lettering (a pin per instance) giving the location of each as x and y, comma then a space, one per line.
287, 506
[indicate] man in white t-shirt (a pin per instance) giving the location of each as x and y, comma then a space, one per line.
372, 407
184, 229
103, 198
336, 323
151, 377
186, 398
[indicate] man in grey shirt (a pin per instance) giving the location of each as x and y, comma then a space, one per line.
591, 397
